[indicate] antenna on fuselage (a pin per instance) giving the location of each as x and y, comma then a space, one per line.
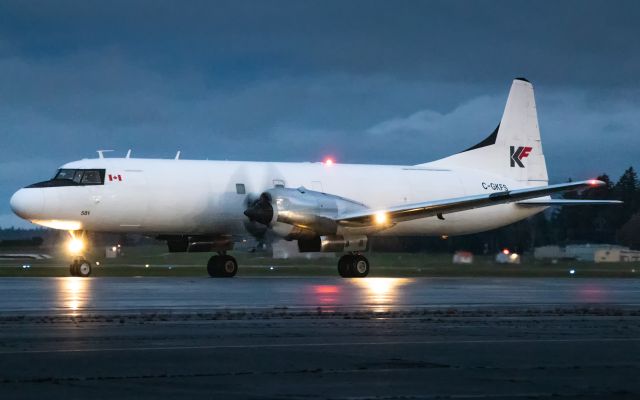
128, 154
101, 153
177, 155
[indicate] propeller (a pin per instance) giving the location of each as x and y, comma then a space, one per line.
260, 210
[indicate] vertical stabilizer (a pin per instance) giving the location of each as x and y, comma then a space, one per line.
514, 148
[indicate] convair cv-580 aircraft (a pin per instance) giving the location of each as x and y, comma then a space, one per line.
325, 207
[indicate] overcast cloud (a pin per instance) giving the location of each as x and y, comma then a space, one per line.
365, 81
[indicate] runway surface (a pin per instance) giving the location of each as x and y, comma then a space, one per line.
99, 295
311, 338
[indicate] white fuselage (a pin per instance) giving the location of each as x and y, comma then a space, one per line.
156, 196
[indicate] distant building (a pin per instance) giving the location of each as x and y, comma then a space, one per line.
113, 251
548, 253
616, 255
586, 252
463, 257
507, 257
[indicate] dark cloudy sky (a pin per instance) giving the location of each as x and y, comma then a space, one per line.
394, 82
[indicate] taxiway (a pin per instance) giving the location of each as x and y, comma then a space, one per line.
314, 338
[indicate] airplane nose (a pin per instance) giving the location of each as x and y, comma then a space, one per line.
27, 203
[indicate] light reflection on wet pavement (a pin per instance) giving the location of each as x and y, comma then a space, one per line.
78, 295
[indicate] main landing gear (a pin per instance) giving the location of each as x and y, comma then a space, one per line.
349, 266
222, 266
353, 266
80, 267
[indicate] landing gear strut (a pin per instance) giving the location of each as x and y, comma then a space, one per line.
353, 266
80, 267
222, 266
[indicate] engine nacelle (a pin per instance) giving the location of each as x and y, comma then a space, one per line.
299, 213
196, 244
333, 244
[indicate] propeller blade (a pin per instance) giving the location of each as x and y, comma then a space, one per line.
261, 210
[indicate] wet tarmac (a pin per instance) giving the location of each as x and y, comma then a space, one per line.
310, 338
100, 295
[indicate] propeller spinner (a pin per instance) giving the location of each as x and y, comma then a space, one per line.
261, 210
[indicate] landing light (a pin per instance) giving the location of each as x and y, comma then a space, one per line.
381, 218
76, 244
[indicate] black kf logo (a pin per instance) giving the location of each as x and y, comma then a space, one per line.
516, 155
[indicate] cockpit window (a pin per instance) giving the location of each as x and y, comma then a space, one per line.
91, 177
77, 177
74, 177
65, 174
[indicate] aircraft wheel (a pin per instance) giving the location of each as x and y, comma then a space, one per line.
72, 268
212, 266
228, 267
344, 266
359, 266
223, 266
83, 268
80, 267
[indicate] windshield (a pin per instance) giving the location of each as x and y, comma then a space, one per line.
65, 174
74, 177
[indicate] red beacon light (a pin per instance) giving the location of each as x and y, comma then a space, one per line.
505, 252
328, 161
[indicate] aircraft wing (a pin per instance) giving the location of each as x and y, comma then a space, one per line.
566, 202
407, 212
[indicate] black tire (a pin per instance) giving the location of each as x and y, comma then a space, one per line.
223, 266
212, 266
344, 266
72, 268
359, 266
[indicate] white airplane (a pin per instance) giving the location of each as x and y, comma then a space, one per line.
325, 207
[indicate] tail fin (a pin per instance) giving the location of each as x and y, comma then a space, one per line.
514, 148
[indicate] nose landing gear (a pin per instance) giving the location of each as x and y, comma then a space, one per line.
222, 266
353, 266
77, 246
80, 267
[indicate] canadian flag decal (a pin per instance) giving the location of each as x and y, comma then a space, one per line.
115, 178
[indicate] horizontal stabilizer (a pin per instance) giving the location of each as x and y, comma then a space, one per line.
425, 209
563, 202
